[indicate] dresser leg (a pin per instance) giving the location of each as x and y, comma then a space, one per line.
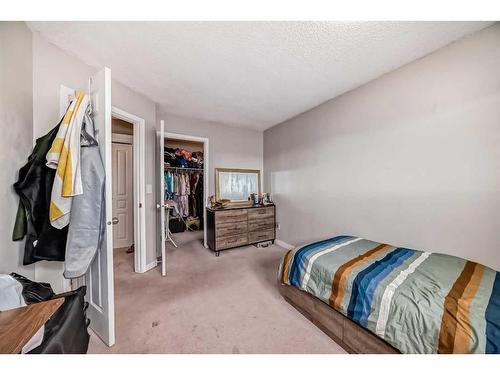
217, 253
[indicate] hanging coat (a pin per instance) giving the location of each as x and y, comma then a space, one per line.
87, 226
34, 187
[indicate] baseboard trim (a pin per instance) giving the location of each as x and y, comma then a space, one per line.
150, 266
284, 244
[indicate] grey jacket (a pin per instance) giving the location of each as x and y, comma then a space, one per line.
87, 226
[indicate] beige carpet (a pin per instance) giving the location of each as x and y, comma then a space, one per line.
206, 304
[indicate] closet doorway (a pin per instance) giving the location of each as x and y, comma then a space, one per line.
128, 188
185, 186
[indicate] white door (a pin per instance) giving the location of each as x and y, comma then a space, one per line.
123, 195
99, 277
161, 196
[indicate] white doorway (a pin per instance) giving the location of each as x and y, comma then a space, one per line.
129, 186
162, 138
205, 142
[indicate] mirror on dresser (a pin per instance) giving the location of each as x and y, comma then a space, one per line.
236, 185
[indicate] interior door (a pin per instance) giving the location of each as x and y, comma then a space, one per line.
123, 195
161, 196
99, 277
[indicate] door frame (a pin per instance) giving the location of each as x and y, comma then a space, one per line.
206, 169
138, 146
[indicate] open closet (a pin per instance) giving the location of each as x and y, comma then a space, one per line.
183, 190
184, 181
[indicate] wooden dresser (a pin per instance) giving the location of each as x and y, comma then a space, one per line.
233, 227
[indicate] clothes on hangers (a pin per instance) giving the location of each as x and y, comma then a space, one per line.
181, 187
34, 187
200, 204
40, 183
87, 224
182, 194
194, 178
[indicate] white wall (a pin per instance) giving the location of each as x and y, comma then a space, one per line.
132, 102
16, 119
53, 67
411, 159
229, 147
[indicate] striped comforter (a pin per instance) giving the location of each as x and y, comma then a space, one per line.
419, 302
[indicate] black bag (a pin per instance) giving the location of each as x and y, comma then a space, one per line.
176, 225
34, 292
66, 332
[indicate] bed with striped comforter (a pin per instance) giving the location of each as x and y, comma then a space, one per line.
419, 302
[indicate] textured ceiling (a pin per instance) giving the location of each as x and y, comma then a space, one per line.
250, 74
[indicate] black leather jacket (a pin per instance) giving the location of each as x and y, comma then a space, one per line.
34, 186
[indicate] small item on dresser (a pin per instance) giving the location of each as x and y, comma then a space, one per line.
254, 198
262, 199
211, 200
267, 199
223, 203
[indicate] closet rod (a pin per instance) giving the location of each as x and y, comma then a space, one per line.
185, 169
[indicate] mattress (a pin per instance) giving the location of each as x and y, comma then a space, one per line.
418, 302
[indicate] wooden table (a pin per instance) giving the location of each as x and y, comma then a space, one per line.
17, 326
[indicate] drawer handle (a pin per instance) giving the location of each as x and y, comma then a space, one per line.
232, 241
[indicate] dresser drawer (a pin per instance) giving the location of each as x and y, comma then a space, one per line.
230, 229
257, 213
230, 216
260, 224
265, 235
232, 241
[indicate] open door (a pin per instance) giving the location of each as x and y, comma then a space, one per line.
99, 277
161, 196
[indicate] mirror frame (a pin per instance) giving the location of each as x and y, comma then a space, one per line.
218, 170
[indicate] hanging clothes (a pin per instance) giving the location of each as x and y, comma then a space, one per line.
200, 204
181, 187
87, 226
193, 182
34, 187
64, 157
181, 195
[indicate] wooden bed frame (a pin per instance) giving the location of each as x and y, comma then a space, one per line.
349, 335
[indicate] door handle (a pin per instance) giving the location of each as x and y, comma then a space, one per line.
113, 221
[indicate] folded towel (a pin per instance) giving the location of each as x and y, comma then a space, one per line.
64, 157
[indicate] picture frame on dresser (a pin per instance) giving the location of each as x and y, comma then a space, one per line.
236, 185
